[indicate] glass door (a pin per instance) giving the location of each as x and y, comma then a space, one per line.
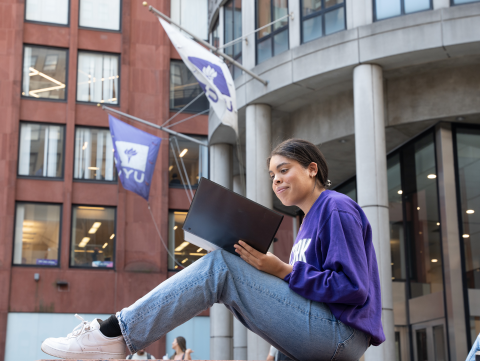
429, 341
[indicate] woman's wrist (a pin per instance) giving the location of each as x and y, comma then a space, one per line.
284, 271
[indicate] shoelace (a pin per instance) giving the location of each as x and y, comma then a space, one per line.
81, 328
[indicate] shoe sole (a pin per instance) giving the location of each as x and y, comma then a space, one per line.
80, 355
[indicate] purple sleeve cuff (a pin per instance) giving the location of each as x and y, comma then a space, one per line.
287, 277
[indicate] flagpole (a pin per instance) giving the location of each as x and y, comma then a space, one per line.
204, 43
180, 135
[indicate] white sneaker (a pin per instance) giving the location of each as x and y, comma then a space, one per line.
85, 342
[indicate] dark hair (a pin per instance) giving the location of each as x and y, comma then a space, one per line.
304, 153
182, 343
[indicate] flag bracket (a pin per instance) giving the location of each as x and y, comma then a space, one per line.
209, 46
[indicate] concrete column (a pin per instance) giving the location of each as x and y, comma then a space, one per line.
371, 164
294, 25
248, 25
439, 4
221, 319
452, 265
359, 13
258, 147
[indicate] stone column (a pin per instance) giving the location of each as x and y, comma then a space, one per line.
221, 319
248, 26
371, 164
452, 264
258, 147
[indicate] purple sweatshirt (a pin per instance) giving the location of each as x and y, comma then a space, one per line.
334, 262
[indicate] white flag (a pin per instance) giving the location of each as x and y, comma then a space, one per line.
211, 72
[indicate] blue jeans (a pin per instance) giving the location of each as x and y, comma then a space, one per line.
474, 350
301, 329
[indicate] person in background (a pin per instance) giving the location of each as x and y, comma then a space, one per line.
272, 354
475, 348
141, 355
181, 350
175, 179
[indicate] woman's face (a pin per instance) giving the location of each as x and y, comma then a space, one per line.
290, 181
174, 343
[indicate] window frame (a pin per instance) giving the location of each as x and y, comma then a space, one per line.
322, 13
272, 34
60, 226
119, 57
67, 25
232, 25
402, 10
114, 268
67, 60
73, 168
64, 149
102, 29
455, 127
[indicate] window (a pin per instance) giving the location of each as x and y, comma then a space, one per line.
94, 155
37, 234
349, 188
41, 150
459, 2
98, 78
47, 11
184, 88
100, 14
215, 36
93, 237
322, 17
192, 15
389, 8
233, 30
44, 72
468, 178
185, 252
195, 158
273, 39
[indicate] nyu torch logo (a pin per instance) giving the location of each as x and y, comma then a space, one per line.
133, 159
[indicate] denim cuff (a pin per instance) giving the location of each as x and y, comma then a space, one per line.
124, 334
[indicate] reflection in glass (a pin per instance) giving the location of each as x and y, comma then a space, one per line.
215, 36
98, 77
280, 10
185, 252
349, 188
334, 21
458, 2
47, 11
192, 15
41, 150
422, 347
318, 21
233, 30
387, 8
422, 221
93, 237
195, 158
184, 88
100, 14
264, 18
439, 343
44, 72
264, 50
412, 6
268, 11
310, 6
468, 163
312, 28
37, 234
94, 155
280, 42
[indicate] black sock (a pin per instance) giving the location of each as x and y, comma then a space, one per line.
110, 327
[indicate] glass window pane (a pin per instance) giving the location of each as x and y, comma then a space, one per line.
349, 188
37, 234
412, 6
264, 50
422, 352
184, 88
97, 78
310, 6
330, 3
185, 252
280, 9
237, 26
100, 14
264, 17
397, 232
93, 237
335, 21
439, 343
94, 155
48, 11
44, 72
228, 33
474, 327
398, 347
312, 28
458, 2
215, 37
387, 8
41, 150
468, 162
280, 42
195, 159
192, 15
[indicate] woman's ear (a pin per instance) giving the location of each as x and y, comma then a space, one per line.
313, 169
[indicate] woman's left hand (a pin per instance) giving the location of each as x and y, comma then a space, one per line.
268, 263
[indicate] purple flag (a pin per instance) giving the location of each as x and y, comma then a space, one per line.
135, 156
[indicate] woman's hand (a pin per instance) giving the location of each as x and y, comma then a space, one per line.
187, 354
268, 263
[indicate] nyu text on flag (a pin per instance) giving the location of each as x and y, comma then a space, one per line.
211, 72
135, 154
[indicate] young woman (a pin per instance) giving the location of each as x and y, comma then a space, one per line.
324, 305
181, 351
